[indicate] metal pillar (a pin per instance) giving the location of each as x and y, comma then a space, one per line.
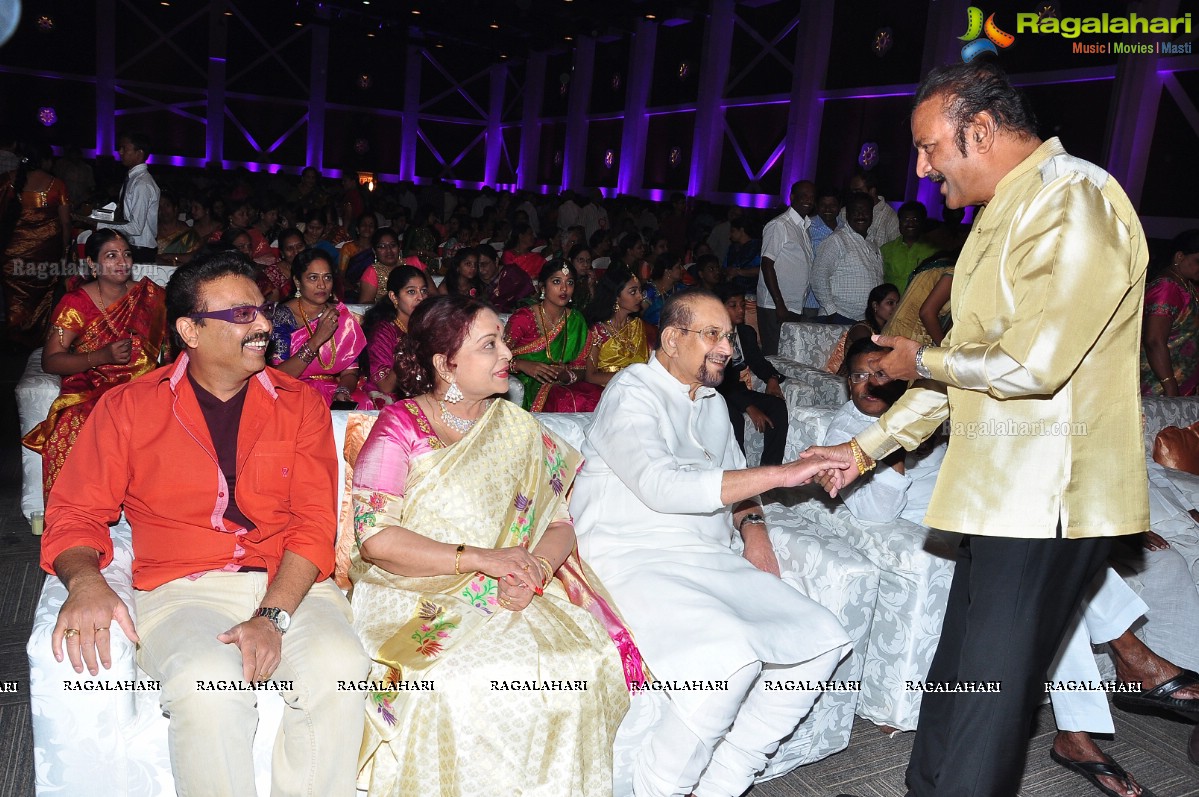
707, 142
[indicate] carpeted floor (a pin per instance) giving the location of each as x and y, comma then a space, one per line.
873, 765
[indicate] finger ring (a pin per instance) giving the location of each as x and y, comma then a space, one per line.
70, 632
105, 628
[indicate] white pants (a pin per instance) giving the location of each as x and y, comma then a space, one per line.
211, 733
715, 747
1108, 609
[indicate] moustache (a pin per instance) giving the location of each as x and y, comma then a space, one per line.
936, 177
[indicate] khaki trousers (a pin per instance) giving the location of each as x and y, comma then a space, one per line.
211, 733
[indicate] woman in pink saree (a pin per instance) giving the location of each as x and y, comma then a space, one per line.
315, 337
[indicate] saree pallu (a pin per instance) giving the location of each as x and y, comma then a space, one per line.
905, 321
332, 358
181, 243
568, 342
1165, 297
141, 316
529, 262
622, 348
31, 257
380, 360
470, 698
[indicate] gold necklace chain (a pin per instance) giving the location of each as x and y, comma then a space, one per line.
545, 332
311, 332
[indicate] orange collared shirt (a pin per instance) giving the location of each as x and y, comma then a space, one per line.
146, 449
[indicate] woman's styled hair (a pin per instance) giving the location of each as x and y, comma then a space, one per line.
305, 259
876, 296
383, 311
384, 232
663, 263
451, 273
518, 229
98, 239
552, 267
438, 326
607, 288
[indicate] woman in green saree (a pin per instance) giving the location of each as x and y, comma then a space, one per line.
551, 347
498, 665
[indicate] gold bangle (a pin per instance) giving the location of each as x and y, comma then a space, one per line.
1170, 378
859, 458
549, 569
458, 558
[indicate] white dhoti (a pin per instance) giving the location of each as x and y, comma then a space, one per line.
1107, 611
651, 524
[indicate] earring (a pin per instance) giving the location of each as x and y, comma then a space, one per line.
542, 297
453, 394
616, 304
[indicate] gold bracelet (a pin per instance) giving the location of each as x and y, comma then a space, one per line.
859, 458
458, 558
549, 569
1170, 378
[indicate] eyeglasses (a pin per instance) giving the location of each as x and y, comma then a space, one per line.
245, 314
712, 335
859, 377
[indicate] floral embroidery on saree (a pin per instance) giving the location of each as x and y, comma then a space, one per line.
429, 636
365, 513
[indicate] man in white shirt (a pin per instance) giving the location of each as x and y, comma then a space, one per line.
884, 225
786, 265
848, 266
663, 488
592, 215
139, 199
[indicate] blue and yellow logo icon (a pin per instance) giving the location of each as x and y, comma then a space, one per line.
976, 27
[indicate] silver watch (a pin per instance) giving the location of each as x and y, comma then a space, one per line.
921, 369
752, 517
279, 617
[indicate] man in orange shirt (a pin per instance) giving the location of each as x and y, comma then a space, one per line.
226, 473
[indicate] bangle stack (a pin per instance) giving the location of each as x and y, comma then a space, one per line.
547, 570
859, 458
306, 353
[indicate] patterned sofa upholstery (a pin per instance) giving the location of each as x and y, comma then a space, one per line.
99, 742
804, 348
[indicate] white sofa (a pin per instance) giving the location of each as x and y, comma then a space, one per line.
98, 743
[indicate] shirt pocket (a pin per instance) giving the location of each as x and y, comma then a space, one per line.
273, 466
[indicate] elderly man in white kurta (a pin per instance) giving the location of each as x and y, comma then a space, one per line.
656, 506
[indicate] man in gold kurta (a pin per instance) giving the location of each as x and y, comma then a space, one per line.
1038, 381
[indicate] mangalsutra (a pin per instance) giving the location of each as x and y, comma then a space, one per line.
311, 332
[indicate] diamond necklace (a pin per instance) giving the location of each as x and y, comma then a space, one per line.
459, 425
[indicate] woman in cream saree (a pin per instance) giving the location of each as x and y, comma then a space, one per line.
469, 694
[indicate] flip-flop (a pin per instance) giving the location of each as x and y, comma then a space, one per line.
1094, 770
1159, 698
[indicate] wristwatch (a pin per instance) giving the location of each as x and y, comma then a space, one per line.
280, 618
752, 517
921, 369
